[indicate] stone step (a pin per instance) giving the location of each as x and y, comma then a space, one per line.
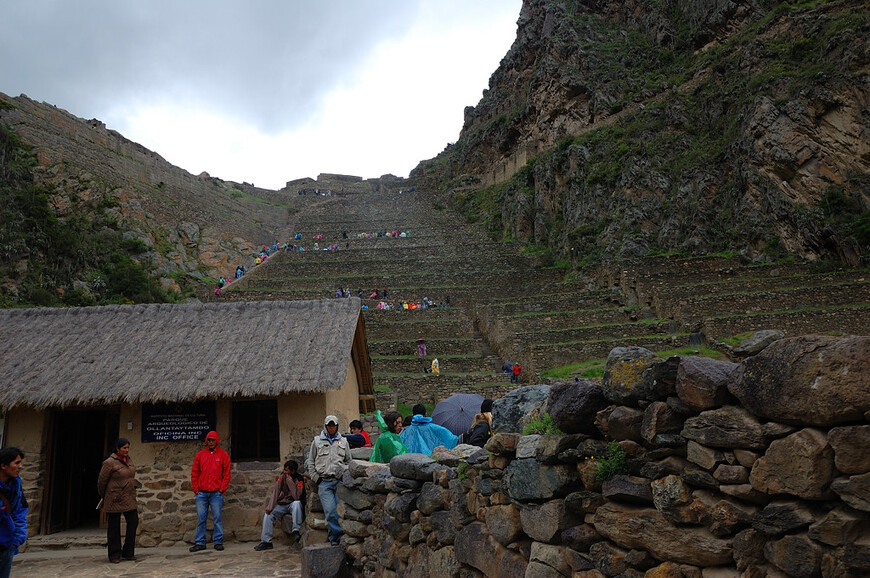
846, 320
72, 539
690, 309
428, 388
409, 364
608, 332
438, 346
538, 357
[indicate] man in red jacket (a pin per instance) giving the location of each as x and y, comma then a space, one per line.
210, 478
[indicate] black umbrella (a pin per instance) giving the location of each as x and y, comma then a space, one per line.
457, 412
507, 366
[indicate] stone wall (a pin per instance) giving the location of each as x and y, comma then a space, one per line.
754, 469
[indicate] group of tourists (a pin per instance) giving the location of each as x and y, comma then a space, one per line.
384, 235
328, 457
419, 434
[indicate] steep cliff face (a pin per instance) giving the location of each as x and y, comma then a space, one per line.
180, 226
620, 129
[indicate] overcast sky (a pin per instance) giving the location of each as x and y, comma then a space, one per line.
263, 91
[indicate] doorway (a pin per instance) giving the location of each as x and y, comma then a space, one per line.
80, 441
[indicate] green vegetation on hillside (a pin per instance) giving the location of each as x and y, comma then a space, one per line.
42, 256
672, 173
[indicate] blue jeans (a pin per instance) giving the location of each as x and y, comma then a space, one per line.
215, 502
6, 561
278, 512
329, 500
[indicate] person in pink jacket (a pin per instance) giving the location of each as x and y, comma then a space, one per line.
210, 478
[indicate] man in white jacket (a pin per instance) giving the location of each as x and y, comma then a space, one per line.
327, 461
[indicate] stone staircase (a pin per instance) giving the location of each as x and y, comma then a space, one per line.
508, 305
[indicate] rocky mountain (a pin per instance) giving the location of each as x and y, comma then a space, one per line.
92, 217
610, 130
623, 129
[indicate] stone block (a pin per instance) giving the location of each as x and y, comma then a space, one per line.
528, 479
573, 405
504, 523
324, 562
726, 427
731, 474
801, 464
526, 446
795, 555
840, 526
414, 467
503, 443
850, 448
608, 558
545, 522
646, 529
624, 382
432, 498
358, 499
702, 382
630, 489
782, 517
580, 537
475, 547
854, 490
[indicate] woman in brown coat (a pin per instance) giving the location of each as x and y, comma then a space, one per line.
117, 487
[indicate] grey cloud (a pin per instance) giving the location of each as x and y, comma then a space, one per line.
268, 62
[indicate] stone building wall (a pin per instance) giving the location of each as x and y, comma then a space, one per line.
752, 469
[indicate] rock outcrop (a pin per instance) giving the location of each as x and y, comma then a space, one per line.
624, 128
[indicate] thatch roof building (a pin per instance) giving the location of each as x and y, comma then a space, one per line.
262, 374
174, 353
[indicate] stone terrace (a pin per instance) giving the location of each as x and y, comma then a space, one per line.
507, 306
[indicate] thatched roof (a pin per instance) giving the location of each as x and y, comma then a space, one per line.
167, 353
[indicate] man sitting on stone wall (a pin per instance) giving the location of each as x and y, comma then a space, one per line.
286, 497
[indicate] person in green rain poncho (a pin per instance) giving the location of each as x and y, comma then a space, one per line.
388, 444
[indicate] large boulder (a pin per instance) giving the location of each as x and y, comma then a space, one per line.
702, 382
647, 529
513, 411
573, 405
626, 379
812, 380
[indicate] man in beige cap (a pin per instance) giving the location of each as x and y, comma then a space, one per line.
327, 461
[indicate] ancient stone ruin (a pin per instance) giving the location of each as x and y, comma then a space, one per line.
753, 469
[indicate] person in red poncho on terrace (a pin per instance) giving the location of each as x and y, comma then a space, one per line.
210, 477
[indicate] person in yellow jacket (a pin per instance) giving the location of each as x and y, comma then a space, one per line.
436, 369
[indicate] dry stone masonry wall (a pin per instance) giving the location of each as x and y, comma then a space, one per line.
752, 469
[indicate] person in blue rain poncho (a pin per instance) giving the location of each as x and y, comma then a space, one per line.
423, 436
